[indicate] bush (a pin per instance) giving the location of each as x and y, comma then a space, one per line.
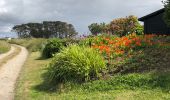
53, 46
77, 64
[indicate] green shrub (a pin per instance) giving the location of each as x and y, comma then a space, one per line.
53, 46
76, 63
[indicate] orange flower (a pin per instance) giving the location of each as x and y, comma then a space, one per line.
138, 43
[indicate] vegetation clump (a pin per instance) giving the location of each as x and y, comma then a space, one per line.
76, 63
52, 46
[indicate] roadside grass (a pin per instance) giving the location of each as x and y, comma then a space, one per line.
16, 52
154, 85
31, 44
4, 47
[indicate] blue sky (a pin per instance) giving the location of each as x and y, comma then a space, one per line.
80, 13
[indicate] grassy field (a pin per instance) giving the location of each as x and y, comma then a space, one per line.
140, 86
4, 47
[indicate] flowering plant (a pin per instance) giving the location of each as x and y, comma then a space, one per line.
112, 46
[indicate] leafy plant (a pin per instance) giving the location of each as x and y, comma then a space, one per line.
76, 63
52, 46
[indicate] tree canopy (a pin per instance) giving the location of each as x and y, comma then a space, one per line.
46, 29
167, 12
96, 28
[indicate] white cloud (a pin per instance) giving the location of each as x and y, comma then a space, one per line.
80, 13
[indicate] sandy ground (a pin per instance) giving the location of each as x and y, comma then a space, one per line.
9, 73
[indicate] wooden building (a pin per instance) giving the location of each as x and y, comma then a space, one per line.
154, 23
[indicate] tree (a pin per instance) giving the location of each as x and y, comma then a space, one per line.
96, 28
167, 12
45, 30
21, 30
124, 26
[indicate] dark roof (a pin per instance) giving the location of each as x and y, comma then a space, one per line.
152, 14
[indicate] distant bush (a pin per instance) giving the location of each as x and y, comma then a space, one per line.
76, 63
52, 46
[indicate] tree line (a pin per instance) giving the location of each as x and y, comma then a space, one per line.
46, 29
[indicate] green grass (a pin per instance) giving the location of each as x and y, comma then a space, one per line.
140, 86
6, 58
4, 47
31, 44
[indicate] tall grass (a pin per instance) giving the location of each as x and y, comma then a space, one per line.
31, 44
76, 63
4, 47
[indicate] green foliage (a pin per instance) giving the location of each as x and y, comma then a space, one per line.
52, 46
167, 12
31, 44
107, 89
119, 27
76, 63
139, 30
131, 81
96, 28
46, 29
4, 47
69, 41
90, 41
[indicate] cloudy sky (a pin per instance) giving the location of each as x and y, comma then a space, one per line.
80, 13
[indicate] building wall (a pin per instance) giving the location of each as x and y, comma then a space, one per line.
156, 25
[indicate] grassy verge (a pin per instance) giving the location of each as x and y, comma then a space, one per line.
5, 59
141, 86
31, 44
4, 47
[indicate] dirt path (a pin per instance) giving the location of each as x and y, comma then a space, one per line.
9, 73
